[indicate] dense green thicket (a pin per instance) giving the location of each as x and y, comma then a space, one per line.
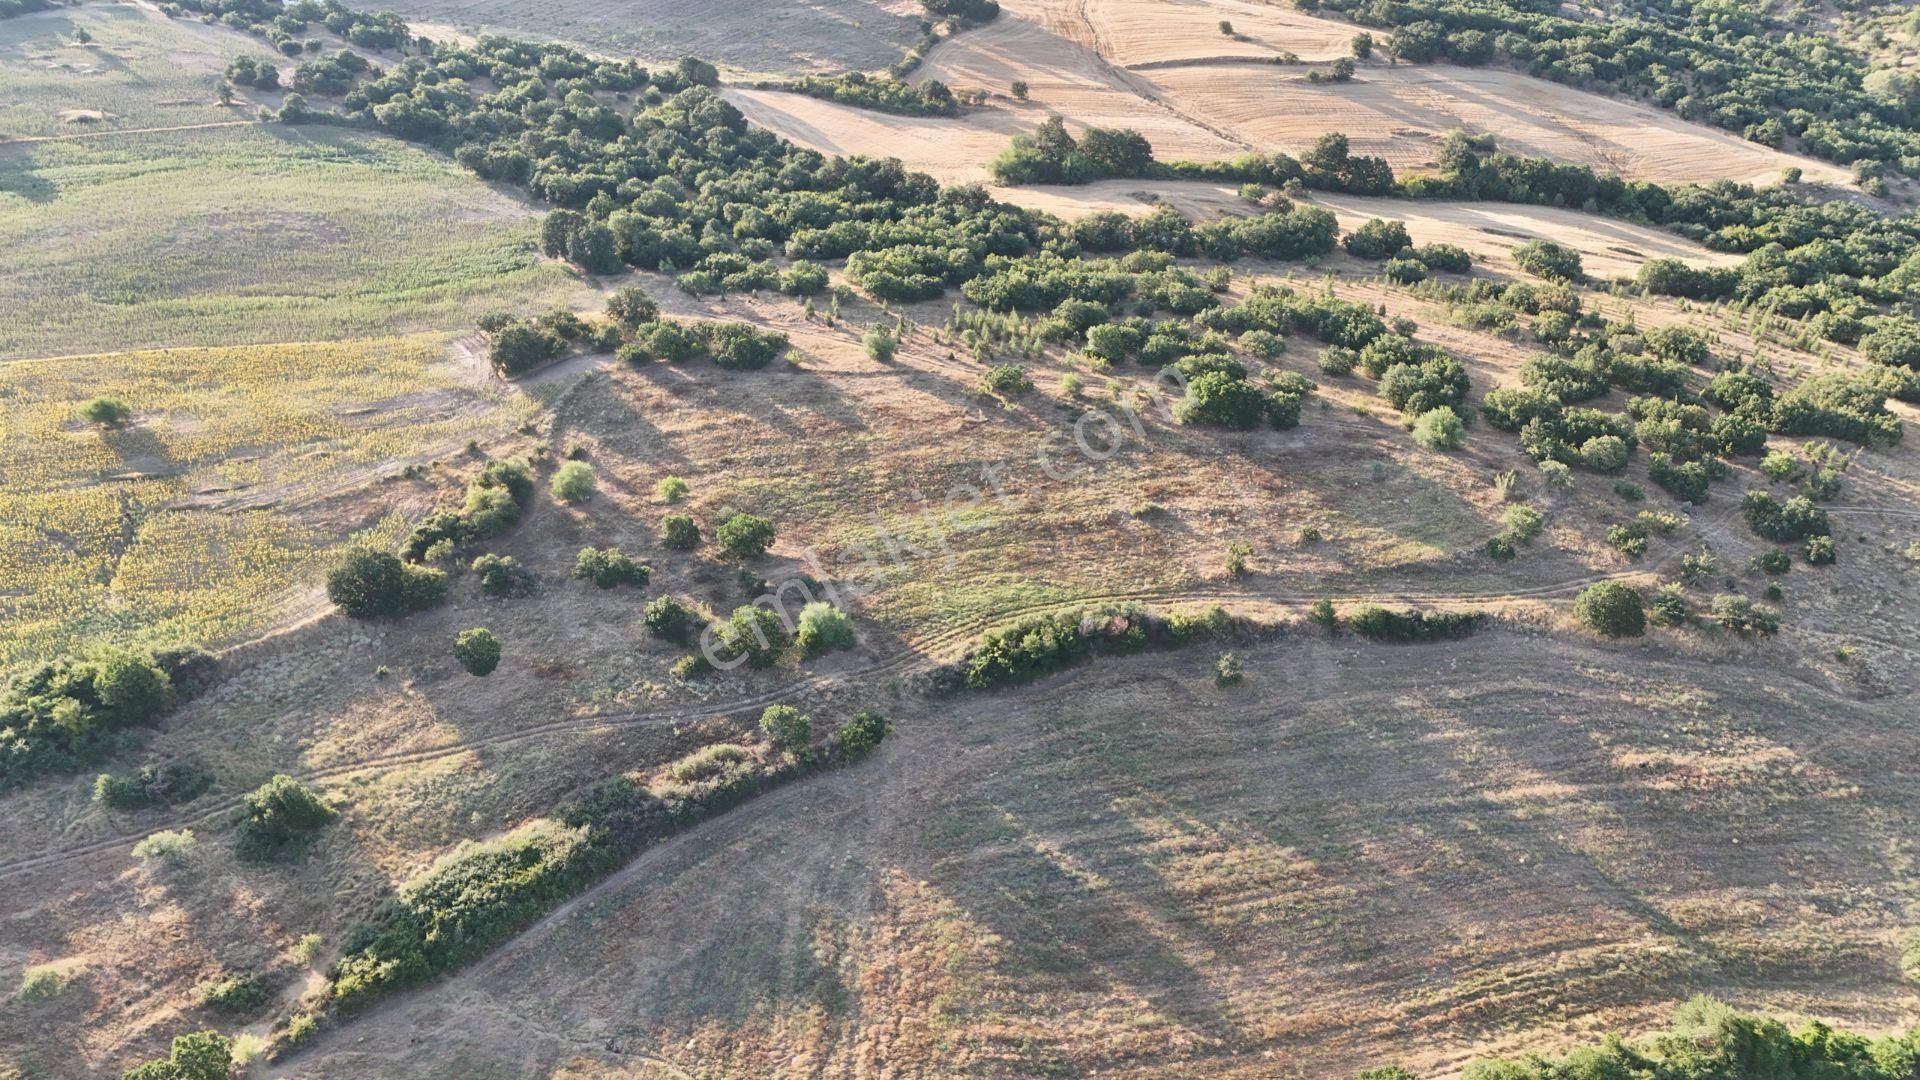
1040, 644
1383, 624
929, 98
58, 714
1730, 65
483, 893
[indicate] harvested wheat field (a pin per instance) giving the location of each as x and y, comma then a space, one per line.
783, 36
1067, 78
1403, 113
952, 150
1147, 33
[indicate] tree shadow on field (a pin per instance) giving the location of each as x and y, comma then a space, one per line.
18, 177
1069, 931
140, 450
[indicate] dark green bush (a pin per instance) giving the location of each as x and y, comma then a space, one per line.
1381, 624
610, 567
278, 813
1611, 609
744, 536
677, 531
669, 619
369, 584
477, 650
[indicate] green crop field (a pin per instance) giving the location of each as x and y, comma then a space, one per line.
252, 234
136, 71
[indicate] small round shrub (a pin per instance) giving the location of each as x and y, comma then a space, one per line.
1404, 271
42, 982
880, 345
861, 735
167, 846
631, 306
787, 726
1440, 429
477, 650
669, 619
671, 489
280, 811
106, 412
823, 627
744, 536
610, 567
1006, 379
1820, 550
1611, 609
1227, 670
1669, 607
1338, 360
677, 531
573, 482
1604, 453
1263, 343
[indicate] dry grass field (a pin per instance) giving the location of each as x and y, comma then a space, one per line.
1362, 855
783, 36
1147, 33
1123, 869
1354, 860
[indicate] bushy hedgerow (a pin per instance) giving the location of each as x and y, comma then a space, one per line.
1040, 644
59, 713
369, 584
1406, 627
929, 98
1709, 1040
